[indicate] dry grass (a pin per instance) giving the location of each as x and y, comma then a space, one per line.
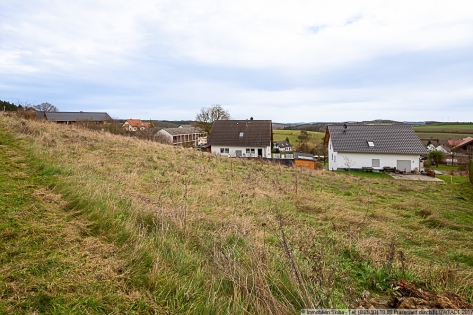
199, 232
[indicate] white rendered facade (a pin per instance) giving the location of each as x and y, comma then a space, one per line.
233, 151
351, 160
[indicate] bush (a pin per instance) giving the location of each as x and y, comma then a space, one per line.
427, 163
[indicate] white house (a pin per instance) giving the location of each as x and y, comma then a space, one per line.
283, 145
241, 138
136, 124
375, 146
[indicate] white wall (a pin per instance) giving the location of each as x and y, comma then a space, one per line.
332, 157
359, 160
232, 151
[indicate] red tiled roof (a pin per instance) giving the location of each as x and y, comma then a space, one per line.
454, 142
467, 140
137, 123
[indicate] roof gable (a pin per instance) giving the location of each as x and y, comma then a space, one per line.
466, 141
137, 123
251, 133
283, 144
396, 139
182, 131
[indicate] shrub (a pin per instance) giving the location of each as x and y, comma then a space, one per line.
427, 163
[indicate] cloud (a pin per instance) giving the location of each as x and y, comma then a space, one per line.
295, 60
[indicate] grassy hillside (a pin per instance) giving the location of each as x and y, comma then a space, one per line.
96, 223
316, 138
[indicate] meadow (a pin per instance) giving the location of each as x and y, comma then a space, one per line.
97, 223
442, 128
443, 132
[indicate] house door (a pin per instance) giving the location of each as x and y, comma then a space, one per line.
404, 165
260, 152
238, 153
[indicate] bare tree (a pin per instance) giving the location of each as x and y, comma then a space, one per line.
207, 116
348, 162
45, 107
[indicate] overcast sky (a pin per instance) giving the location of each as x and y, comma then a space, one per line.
288, 61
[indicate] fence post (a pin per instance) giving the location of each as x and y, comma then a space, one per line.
471, 171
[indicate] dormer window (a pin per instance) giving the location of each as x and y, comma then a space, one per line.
241, 134
370, 143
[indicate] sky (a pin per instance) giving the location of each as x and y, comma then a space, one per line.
288, 61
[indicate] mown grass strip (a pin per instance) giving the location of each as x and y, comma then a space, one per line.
49, 262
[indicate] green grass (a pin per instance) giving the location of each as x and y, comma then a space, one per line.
50, 263
460, 128
128, 226
315, 137
453, 179
441, 137
364, 174
444, 168
443, 132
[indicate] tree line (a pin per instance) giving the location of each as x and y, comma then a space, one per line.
46, 107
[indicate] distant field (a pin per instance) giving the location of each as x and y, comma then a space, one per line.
441, 136
460, 128
315, 137
425, 133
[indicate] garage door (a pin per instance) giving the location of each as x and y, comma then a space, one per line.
404, 165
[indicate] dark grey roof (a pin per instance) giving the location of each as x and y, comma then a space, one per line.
41, 114
77, 116
255, 133
283, 144
183, 130
400, 139
304, 156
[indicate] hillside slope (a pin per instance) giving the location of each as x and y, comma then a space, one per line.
182, 232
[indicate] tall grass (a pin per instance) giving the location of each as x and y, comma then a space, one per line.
205, 234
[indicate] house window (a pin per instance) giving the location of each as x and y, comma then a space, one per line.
370, 143
241, 134
375, 163
224, 150
250, 151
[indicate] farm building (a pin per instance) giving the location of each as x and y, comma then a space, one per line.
241, 138
182, 136
373, 147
